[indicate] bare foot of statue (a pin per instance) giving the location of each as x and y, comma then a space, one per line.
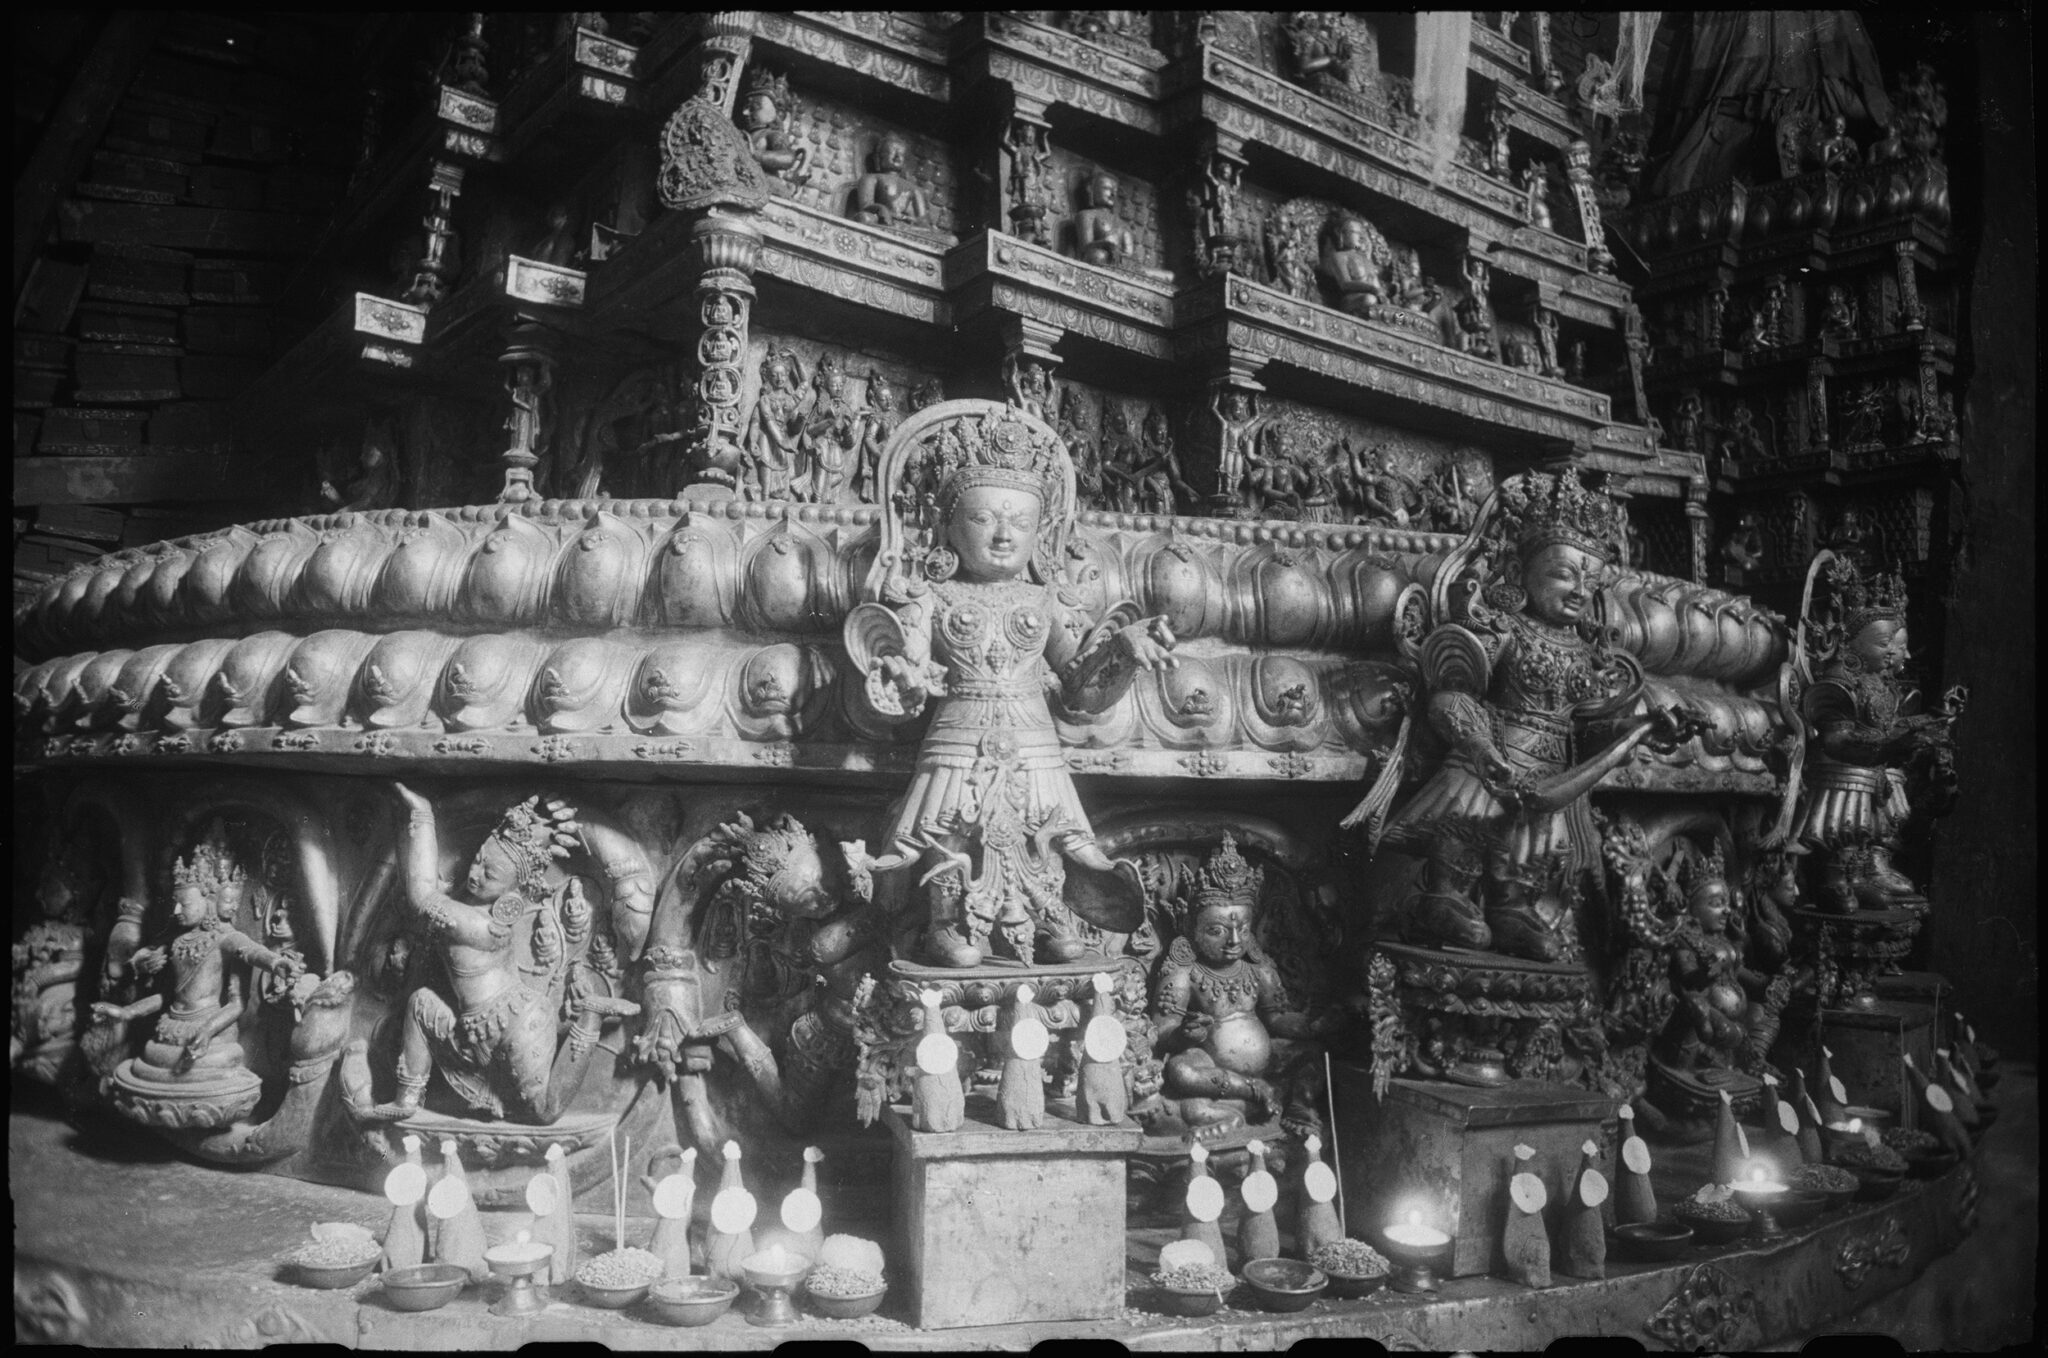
946, 946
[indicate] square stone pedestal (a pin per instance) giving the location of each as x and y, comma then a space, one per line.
1446, 1150
1930, 988
995, 1226
1867, 1042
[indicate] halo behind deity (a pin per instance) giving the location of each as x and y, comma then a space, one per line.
938, 440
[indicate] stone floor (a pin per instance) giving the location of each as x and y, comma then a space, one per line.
147, 1249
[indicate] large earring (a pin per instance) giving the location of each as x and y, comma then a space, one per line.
1507, 596
941, 563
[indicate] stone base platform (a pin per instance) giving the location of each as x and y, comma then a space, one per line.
1867, 1042
120, 1242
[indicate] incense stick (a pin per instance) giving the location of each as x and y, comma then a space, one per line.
1336, 1165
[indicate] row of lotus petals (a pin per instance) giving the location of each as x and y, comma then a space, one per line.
1810, 202
499, 681
611, 564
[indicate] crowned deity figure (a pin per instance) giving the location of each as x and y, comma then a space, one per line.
764, 114
969, 614
1721, 1001
876, 422
1867, 744
775, 439
831, 433
49, 962
1521, 681
1219, 1005
194, 1056
488, 1030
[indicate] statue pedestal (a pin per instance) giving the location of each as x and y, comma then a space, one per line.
1852, 953
1867, 1042
1446, 1151
995, 1226
203, 1100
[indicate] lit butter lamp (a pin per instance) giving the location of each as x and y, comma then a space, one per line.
1416, 1251
1849, 1131
1761, 1195
774, 1274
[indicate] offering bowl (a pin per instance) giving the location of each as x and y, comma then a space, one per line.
691, 1301
424, 1287
1652, 1241
1284, 1284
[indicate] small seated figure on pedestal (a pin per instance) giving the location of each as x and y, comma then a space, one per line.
1707, 1042
193, 1059
1100, 236
887, 196
1355, 259
1220, 1008
48, 964
1836, 150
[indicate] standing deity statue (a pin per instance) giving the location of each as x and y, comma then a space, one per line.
1157, 477
764, 114
877, 423
831, 436
1382, 495
1082, 446
1220, 1007
886, 195
774, 445
968, 614
1475, 311
1867, 746
194, 1054
1237, 410
489, 1032
1521, 677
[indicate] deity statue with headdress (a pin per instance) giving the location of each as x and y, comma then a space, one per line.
1536, 707
968, 614
488, 1030
1867, 747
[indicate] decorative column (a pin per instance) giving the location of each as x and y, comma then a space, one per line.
1029, 365
1635, 338
1911, 315
529, 364
436, 269
708, 170
1817, 406
1702, 527
1547, 75
1223, 434
1578, 169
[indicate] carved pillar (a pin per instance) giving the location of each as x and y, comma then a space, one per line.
436, 269
1817, 406
1026, 172
727, 42
1911, 316
1635, 338
1223, 433
1029, 365
1702, 527
725, 249
529, 364
1212, 199
1928, 424
1547, 75
1578, 168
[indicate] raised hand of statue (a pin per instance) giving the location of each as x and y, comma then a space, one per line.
414, 803
907, 677
148, 962
1149, 644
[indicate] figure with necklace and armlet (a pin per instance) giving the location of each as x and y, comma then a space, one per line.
1220, 1008
193, 1060
969, 614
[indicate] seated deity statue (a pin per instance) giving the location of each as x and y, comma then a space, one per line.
194, 1048
1355, 259
1100, 236
887, 195
49, 962
764, 117
1219, 1008
1709, 1034
489, 1032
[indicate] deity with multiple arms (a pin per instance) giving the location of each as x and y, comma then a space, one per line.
968, 613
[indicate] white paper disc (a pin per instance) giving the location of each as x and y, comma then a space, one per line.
1528, 1192
733, 1211
1635, 1153
543, 1195
672, 1196
1788, 1119
1593, 1187
1838, 1089
937, 1054
1028, 1039
1186, 1254
1260, 1191
1105, 1039
1955, 1077
406, 1184
1939, 1101
801, 1210
1319, 1181
448, 1198
1205, 1199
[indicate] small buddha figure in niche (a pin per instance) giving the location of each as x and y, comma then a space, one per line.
1354, 264
1219, 1006
887, 195
194, 1042
1100, 236
1891, 146
764, 117
1837, 150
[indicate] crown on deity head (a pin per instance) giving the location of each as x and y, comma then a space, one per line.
1539, 509
1698, 871
212, 867
1860, 600
999, 451
761, 80
1225, 878
536, 836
